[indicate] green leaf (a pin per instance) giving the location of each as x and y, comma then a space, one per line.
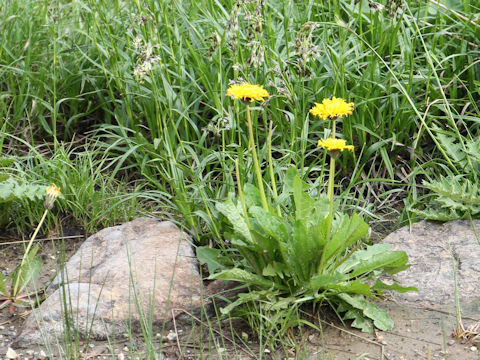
304, 204
244, 277
210, 256
304, 254
235, 215
352, 287
242, 299
380, 317
3, 285
359, 320
347, 233
11, 189
251, 195
6, 190
324, 281
380, 285
26, 273
375, 257
270, 223
275, 269
288, 180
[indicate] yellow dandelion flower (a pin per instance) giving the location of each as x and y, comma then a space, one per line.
332, 108
247, 92
333, 144
53, 191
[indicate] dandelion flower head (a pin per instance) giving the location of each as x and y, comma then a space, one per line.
333, 144
332, 108
247, 92
53, 191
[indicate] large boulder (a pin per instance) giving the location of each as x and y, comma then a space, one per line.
119, 275
434, 251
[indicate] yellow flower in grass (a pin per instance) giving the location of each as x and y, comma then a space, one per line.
332, 108
332, 144
53, 191
247, 92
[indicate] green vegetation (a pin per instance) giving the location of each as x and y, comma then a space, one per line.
123, 105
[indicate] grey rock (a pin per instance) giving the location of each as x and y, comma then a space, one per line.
433, 250
116, 275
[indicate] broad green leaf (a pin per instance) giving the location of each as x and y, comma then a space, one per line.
288, 180
375, 257
359, 320
6, 190
251, 195
275, 269
3, 284
244, 277
266, 245
242, 299
380, 317
352, 287
270, 223
347, 233
380, 285
323, 281
25, 273
10, 190
304, 254
236, 218
304, 204
210, 256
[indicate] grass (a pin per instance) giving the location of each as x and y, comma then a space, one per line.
123, 105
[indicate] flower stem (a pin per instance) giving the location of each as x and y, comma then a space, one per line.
240, 193
34, 236
258, 173
331, 182
16, 283
270, 165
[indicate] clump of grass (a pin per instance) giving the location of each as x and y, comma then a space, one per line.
94, 193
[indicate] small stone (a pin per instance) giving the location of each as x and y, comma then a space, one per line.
383, 342
91, 345
42, 355
311, 337
221, 350
267, 351
2, 327
29, 352
473, 348
172, 336
121, 356
11, 354
158, 335
125, 349
451, 342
